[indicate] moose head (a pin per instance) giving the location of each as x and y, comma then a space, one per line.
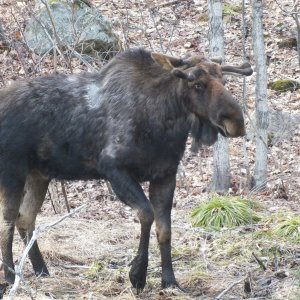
202, 87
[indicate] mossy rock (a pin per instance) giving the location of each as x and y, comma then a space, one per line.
285, 85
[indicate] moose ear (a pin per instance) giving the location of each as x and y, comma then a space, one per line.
167, 62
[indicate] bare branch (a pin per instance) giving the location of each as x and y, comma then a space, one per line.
35, 235
57, 39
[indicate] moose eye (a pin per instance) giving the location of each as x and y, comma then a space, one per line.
199, 86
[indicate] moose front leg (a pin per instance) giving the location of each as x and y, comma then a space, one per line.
161, 194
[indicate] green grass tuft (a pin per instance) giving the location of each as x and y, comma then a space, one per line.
288, 228
224, 212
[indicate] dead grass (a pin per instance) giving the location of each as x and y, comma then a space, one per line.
88, 259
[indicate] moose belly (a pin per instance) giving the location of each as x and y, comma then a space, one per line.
153, 171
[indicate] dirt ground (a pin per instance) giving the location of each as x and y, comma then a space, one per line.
89, 253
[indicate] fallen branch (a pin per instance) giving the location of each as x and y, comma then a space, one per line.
35, 235
230, 287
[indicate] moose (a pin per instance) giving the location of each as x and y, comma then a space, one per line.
127, 124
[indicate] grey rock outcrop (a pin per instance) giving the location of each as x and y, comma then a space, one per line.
70, 25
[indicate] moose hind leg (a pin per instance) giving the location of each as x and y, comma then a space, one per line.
10, 197
131, 193
34, 195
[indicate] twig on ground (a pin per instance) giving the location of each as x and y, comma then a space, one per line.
220, 296
75, 267
262, 265
36, 233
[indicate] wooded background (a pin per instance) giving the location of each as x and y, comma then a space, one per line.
263, 166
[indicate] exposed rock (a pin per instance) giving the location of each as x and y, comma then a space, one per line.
70, 25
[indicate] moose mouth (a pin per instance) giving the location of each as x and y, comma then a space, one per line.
222, 131
230, 131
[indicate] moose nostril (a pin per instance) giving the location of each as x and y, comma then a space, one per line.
234, 128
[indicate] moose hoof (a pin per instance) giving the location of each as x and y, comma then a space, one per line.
43, 272
138, 273
171, 284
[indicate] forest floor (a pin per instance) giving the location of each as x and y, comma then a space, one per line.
89, 253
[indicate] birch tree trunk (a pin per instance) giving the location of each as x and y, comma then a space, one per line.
221, 171
262, 111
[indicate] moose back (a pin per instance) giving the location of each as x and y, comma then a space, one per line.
127, 124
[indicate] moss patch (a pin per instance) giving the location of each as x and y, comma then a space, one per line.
285, 85
231, 9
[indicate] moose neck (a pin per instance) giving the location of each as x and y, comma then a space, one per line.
156, 96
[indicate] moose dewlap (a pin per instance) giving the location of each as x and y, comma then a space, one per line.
127, 124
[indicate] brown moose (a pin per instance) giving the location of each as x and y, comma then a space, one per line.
127, 124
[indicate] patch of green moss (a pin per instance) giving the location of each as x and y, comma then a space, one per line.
94, 271
285, 85
203, 18
270, 138
231, 9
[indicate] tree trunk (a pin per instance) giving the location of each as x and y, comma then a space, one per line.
295, 16
3, 39
221, 173
262, 111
